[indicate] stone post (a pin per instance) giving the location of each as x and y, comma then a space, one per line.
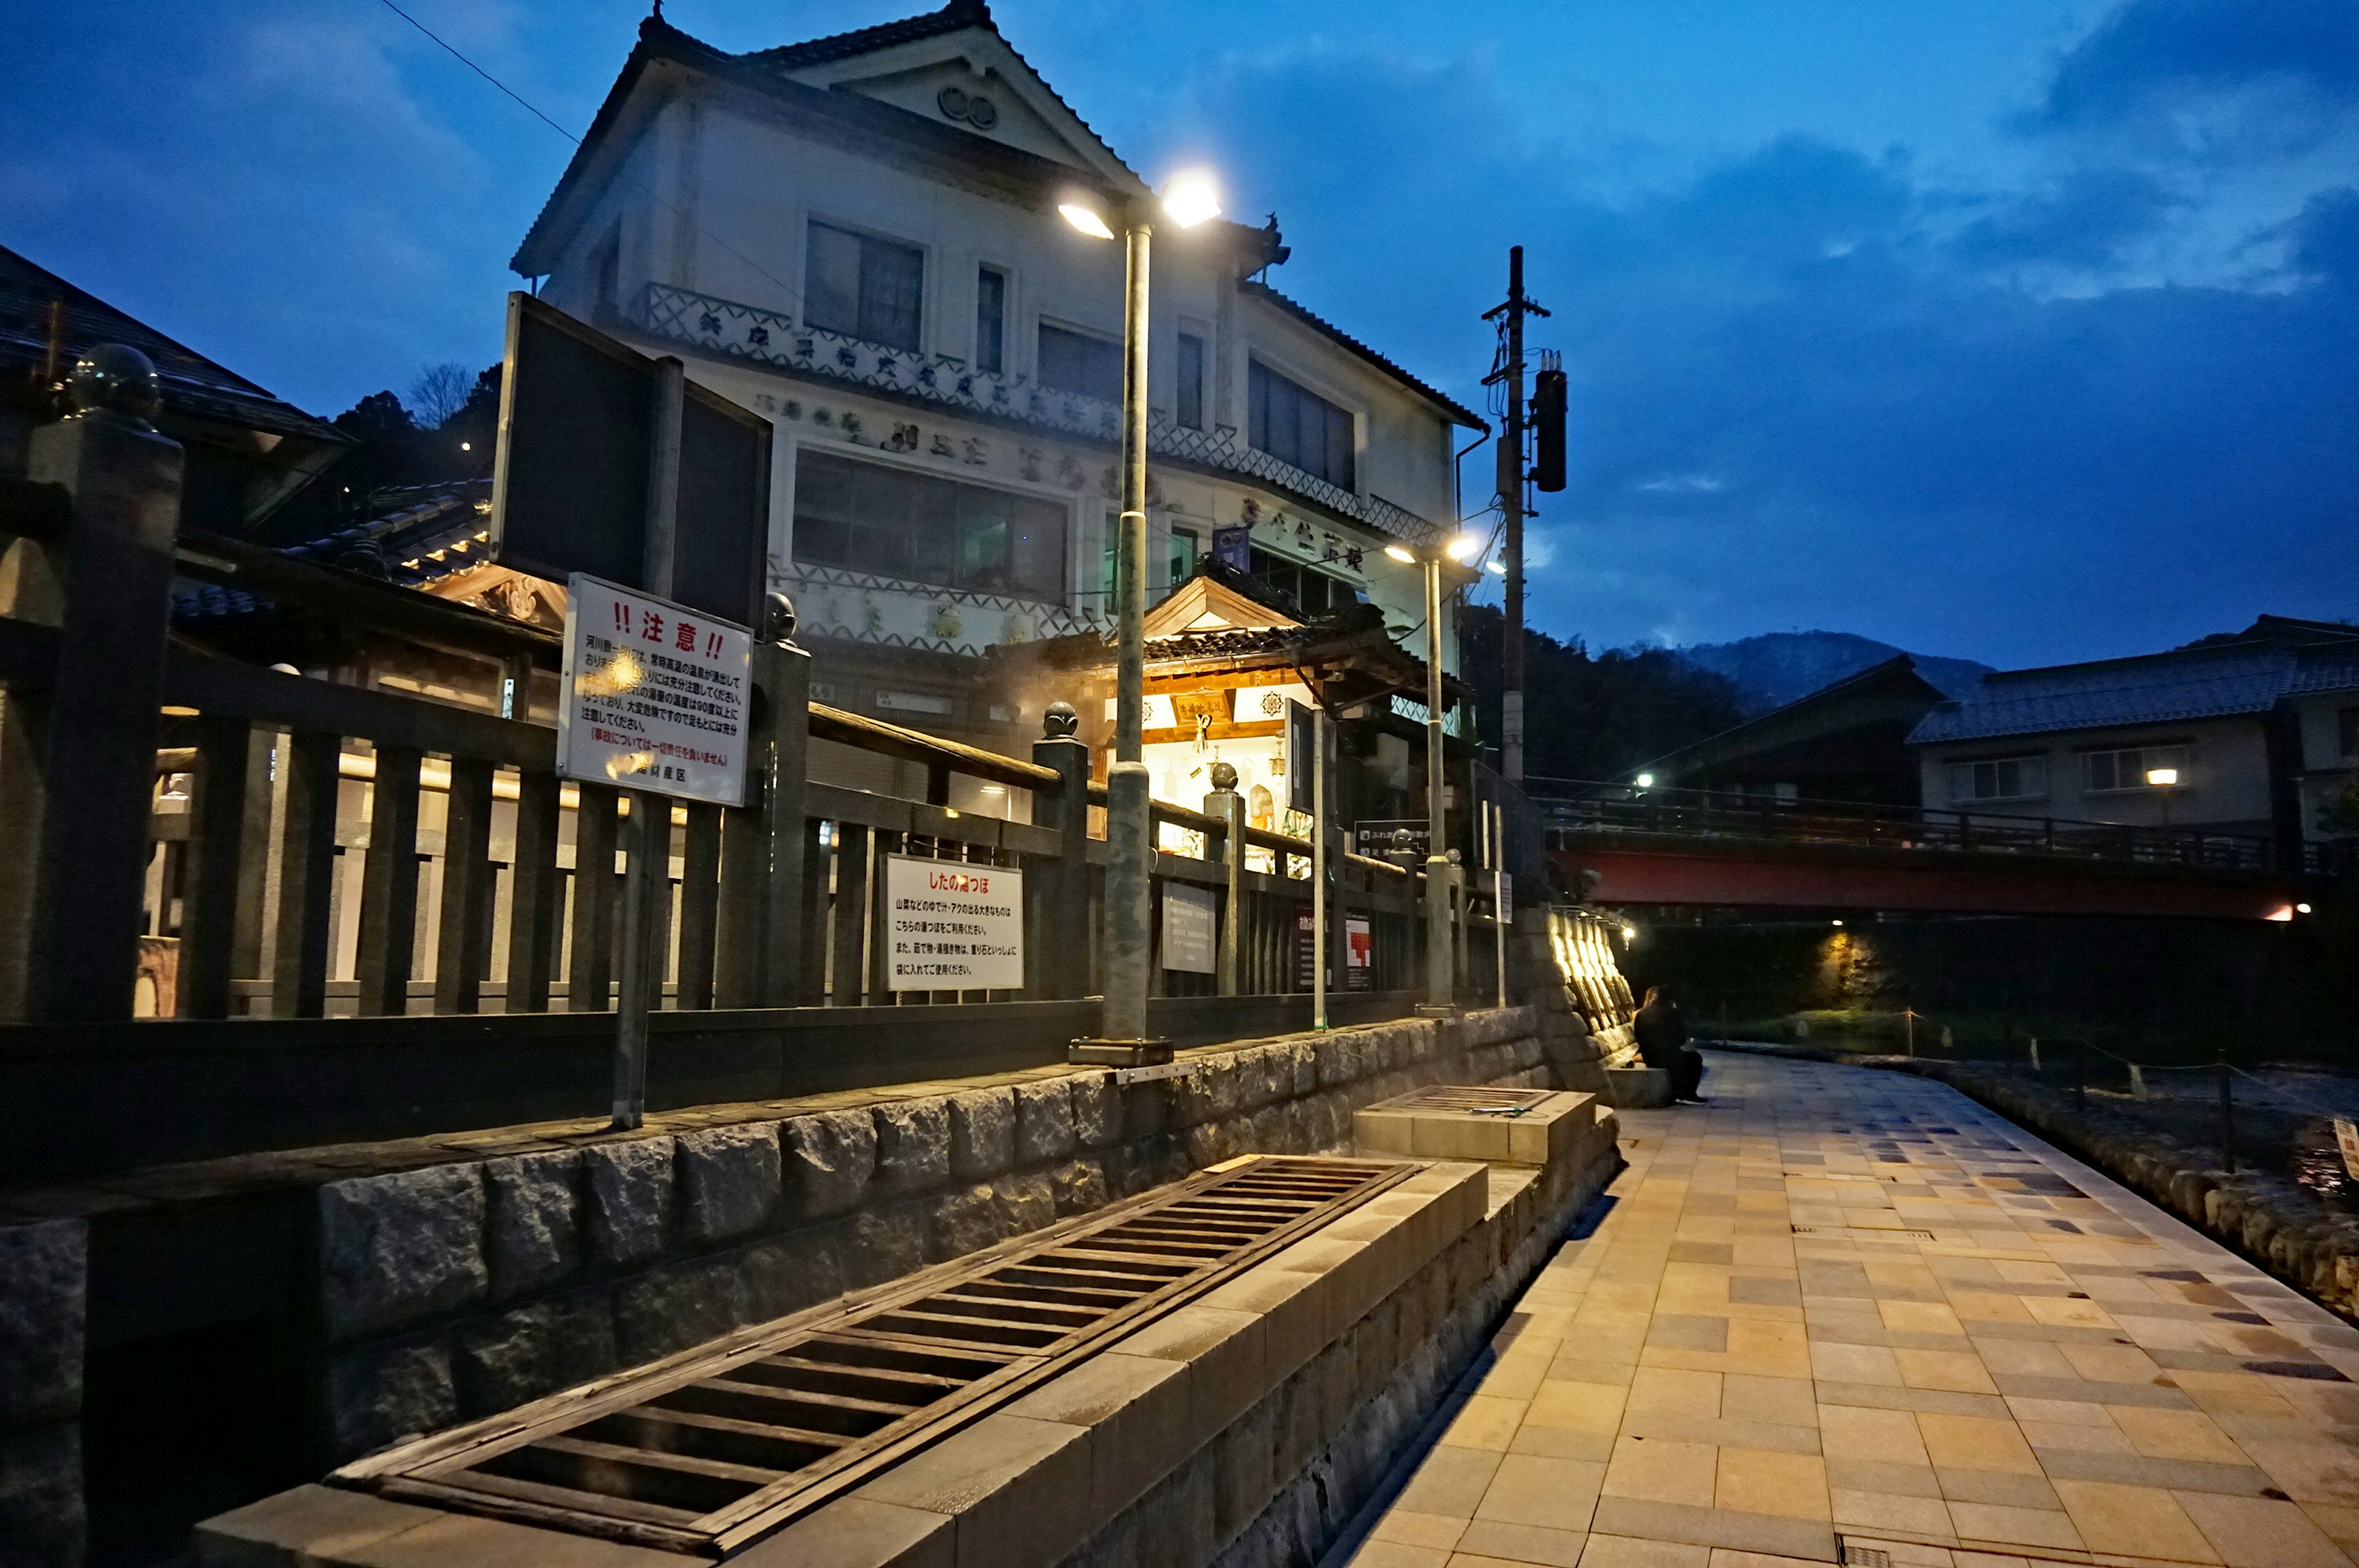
1224, 803
70, 929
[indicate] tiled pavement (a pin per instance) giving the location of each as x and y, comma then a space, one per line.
1841, 1312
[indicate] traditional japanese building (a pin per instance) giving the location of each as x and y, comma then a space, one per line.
857, 237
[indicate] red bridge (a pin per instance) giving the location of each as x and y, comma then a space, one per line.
1699, 849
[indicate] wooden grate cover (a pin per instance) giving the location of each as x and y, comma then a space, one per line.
717, 1446
1448, 1097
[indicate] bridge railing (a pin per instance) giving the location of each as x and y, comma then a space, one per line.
1593, 806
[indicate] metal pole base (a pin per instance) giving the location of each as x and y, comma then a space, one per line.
1087, 1053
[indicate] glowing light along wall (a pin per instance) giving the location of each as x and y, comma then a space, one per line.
1582, 942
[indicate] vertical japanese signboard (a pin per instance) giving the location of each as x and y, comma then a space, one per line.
656, 694
952, 926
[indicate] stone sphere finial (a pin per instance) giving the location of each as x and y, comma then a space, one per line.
778, 618
1059, 721
117, 378
1224, 775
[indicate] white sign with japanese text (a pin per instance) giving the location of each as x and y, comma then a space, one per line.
1189, 927
655, 695
952, 926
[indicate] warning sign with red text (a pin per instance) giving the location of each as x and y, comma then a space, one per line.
653, 694
953, 925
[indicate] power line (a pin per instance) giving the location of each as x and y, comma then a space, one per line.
644, 187
479, 71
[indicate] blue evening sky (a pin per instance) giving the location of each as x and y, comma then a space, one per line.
2017, 330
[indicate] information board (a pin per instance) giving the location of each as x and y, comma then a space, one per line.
2346, 1139
1359, 954
656, 694
1188, 928
952, 926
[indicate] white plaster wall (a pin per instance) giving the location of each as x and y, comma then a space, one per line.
2227, 767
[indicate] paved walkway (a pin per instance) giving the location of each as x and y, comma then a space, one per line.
1841, 1313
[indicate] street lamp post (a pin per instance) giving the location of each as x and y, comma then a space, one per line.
1123, 1038
1441, 977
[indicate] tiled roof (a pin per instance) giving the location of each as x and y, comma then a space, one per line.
1457, 410
2161, 688
432, 532
191, 384
952, 17
2327, 669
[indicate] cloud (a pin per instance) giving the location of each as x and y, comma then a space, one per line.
2210, 79
2088, 218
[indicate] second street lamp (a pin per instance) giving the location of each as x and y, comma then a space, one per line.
1435, 556
1188, 199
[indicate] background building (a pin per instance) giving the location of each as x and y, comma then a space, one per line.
2253, 731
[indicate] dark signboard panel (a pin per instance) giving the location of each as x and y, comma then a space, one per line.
724, 529
570, 490
569, 493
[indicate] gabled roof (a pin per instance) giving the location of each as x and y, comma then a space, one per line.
957, 17
1893, 682
1222, 601
1254, 290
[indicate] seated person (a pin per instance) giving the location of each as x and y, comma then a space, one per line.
1662, 1036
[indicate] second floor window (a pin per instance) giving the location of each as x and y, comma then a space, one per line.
864, 287
990, 320
889, 521
1312, 591
1191, 381
2000, 778
1295, 425
1075, 361
2144, 767
2346, 730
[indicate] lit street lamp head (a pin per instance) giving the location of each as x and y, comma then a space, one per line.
1085, 218
1402, 554
2161, 778
1191, 198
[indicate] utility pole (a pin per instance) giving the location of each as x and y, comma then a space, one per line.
1510, 489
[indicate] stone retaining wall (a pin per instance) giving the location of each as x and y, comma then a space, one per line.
464, 1288
1378, 1384
44, 1272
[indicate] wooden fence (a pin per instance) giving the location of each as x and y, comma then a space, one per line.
200, 838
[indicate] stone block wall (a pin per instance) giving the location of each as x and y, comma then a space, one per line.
1280, 1484
462, 1289
1575, 1056
46, 1268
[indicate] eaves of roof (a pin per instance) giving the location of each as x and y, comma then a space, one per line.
2162, 689
847, 114
433, 531
1457, 411
191, 384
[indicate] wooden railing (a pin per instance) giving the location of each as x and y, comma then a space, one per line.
199, 835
